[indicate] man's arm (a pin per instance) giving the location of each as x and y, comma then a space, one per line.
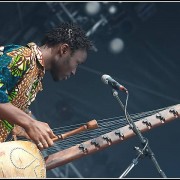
38, 131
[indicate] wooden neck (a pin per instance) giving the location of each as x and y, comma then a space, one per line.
108, 139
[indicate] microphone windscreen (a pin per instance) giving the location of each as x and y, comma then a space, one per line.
104, 78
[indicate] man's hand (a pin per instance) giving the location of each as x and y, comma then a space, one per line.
40, 133
37, 131
19, 131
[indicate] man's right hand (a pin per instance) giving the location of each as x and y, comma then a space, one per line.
40, 133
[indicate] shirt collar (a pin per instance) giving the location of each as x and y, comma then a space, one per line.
37, 52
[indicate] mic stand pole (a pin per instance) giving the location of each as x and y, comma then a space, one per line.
146, 150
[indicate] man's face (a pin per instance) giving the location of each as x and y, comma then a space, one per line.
65, 64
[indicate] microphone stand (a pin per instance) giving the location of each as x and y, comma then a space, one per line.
146, 149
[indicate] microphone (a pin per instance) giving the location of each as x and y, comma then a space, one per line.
106, 79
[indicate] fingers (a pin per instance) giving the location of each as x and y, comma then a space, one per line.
51, 134
43, 143
50, 137
40, 145
46, 139
49, 131
41, 134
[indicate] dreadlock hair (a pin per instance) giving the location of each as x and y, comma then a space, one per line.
69, 33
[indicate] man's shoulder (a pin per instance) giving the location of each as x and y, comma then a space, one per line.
17, 50
8, 53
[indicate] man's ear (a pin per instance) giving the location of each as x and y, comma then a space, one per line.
64, 48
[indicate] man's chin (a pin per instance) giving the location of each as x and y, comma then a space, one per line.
59, 79
56, 79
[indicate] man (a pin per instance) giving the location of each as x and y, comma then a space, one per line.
21, 72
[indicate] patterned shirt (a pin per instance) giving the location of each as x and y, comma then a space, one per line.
21, 73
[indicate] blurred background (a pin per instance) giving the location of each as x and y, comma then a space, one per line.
136, 43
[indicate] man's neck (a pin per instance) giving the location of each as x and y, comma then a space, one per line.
46, 53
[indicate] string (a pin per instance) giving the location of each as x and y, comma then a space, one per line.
75, 138
108, 120
105, 126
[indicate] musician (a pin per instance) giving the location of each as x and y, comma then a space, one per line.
21, 72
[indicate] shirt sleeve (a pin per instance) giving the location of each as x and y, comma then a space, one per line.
4, 61
12, 69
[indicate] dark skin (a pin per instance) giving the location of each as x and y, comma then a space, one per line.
62, 63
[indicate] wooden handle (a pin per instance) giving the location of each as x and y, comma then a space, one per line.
92, 124
88, 126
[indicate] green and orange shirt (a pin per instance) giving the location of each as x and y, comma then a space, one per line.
21, 73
